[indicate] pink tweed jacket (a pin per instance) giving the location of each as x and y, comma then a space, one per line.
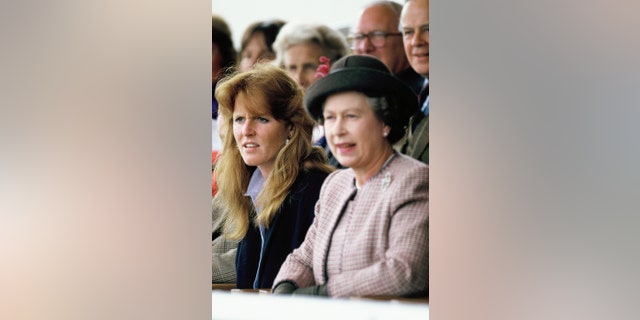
385, 244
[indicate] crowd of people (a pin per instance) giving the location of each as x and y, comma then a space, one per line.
320, 178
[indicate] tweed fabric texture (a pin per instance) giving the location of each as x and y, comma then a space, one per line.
384, 250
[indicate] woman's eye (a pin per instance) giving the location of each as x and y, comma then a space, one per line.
238, 119
263, 120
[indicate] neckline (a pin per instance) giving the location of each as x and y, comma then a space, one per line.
384, 165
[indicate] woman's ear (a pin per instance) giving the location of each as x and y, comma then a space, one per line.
385, 130
290, 131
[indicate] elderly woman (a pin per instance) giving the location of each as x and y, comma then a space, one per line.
269, 173
299, 47
370, 234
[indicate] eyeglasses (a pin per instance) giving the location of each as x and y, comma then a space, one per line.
377, 38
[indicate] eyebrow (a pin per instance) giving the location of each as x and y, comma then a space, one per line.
253, 115
350, 109
411, 28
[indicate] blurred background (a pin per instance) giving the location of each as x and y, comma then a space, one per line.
337, 14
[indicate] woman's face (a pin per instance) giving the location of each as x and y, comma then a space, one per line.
301, 61
354, 134
259, 136
255, 51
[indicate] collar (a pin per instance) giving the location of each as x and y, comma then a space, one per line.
255, 186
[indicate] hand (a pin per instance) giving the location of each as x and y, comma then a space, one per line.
320, 290
284, 288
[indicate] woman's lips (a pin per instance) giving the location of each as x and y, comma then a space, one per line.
345, 147
250, 145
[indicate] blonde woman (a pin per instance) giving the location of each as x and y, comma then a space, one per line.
269, 174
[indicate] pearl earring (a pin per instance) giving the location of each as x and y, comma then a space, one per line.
385, 134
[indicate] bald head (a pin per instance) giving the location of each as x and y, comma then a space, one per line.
381, 17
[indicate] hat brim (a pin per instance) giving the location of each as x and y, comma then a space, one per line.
365, 80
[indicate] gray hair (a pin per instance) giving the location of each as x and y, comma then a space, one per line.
332, 42
385, 108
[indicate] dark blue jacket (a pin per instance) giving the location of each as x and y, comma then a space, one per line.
285, 233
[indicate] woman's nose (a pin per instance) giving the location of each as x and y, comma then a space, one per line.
247, 128
303, 80
337, 127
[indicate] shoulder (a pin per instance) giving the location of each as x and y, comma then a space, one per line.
411, 78
407, 181
417, 142
312, 176
423, 126
405, 165
408, 173
341, 177
338, 181
309, 180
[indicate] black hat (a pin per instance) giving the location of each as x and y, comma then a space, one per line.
365, 74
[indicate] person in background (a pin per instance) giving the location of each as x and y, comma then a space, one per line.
223, 61
376, 34
415, 35
272, 174
257, 41
223, 250
370, 234
299, 47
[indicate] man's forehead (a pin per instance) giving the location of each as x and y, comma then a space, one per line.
380, 17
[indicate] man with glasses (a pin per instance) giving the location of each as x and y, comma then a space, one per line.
376, 33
